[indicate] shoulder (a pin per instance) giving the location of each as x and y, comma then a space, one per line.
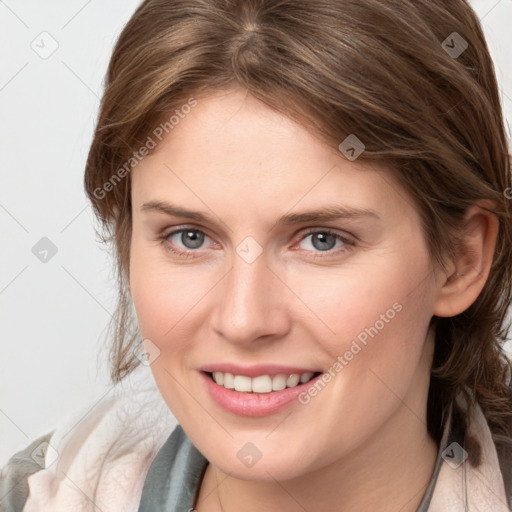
476, 482
100, 453
13, 477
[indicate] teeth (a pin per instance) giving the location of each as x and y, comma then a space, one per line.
262, 383
305, 377
293, 380
242, 383
278, 382
229, 381
218, 377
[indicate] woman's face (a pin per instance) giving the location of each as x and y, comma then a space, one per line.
291, 259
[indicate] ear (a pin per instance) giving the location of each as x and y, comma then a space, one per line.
468, 274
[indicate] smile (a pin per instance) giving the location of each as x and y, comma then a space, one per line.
261, 383
262, 399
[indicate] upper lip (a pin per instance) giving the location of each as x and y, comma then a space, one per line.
256, 370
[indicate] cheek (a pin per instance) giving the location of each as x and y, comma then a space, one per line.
163, 295
374, 317
379, 317
167, 301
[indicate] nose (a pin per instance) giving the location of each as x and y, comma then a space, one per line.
249, 303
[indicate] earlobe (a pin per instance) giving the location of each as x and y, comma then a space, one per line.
471, 269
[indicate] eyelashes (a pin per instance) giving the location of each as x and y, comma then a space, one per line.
187, 253
321, 236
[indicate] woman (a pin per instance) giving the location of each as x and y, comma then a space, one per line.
308, 204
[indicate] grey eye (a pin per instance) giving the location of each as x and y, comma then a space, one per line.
191, 239
321, 241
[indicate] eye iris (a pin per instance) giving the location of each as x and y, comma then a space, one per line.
323, 241
192, 239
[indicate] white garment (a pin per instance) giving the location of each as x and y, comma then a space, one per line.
483, 486
121, 435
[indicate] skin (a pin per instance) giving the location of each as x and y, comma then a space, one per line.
360, 444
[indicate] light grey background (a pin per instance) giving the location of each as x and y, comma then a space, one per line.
54, 314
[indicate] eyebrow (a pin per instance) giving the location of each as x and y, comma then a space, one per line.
325, 214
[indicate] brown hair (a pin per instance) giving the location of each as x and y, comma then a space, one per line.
393, 73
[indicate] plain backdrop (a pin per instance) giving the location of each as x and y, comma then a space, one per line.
54, 312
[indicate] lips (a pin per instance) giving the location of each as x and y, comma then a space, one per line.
254, 404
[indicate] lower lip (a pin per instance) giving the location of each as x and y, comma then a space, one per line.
254, 404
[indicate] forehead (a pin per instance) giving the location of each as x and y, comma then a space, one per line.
232, 149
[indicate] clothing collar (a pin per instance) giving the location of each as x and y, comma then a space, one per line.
459, 486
